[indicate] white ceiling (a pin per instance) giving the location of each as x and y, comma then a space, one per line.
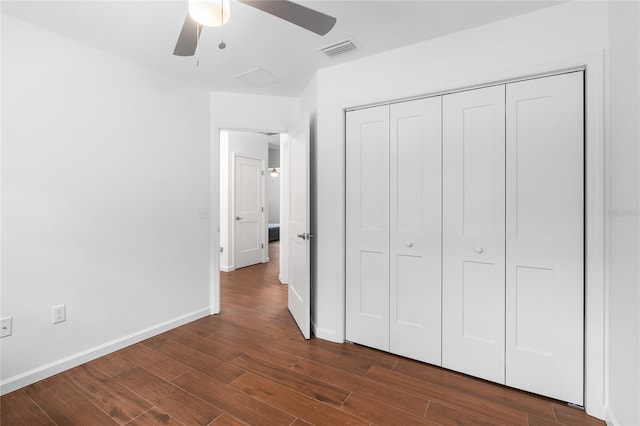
146, 32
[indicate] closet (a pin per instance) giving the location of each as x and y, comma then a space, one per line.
465, 232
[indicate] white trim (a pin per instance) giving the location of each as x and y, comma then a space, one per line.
25, 379
610, 417
224, 268
596, 286
214, 220
284, 208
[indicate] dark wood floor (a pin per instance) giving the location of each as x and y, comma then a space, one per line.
250, 365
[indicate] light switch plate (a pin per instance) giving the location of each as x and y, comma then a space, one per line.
6, 326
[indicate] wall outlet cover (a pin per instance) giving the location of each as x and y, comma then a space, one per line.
59, 314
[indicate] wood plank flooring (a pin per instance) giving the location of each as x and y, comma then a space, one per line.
250, 365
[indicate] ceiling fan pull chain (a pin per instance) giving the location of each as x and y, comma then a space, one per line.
222, 44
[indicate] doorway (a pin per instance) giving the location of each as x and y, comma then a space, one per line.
249, 197
295, 214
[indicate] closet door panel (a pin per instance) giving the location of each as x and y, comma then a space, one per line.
473, 246
367, 245
415, 229
544, 236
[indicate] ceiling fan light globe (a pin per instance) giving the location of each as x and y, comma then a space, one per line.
212, 13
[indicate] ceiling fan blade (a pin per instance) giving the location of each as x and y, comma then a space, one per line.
188, 38
295, 13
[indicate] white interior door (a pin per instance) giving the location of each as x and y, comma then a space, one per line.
367, 245
415, 229
298, 233
248, 216
544, 232
473, 277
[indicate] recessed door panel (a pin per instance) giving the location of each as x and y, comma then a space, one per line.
545, 236
473, 233
367, 245
415, 230
410, 291
408, 173
478, 163
534, 310
479, 295
373, 286
373, 152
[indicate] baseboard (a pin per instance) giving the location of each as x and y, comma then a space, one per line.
25, 379
265, 260
281, 279
610, 417
227, 268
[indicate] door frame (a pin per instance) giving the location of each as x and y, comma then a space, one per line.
596, 254
214, 206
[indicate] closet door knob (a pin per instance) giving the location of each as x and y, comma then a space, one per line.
409, 244
479, 250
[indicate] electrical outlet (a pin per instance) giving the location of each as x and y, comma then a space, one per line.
59, 314
6, 326
203, 213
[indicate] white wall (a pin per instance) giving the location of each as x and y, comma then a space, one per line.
104, 168
240, 112
486, 54
253, 112
273, 194
274, 156
273, 186
623, 212
250, 144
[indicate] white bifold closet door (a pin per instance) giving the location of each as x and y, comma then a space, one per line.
513, 235
545, 236
465, 232
415, 230
473, 275
367, 244
394, 228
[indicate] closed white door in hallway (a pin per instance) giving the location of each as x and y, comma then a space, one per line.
248, 209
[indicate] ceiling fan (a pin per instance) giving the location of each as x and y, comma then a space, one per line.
201, 13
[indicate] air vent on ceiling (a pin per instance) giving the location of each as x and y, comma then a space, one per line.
339, 48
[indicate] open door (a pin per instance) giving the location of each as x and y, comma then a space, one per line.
298, 226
